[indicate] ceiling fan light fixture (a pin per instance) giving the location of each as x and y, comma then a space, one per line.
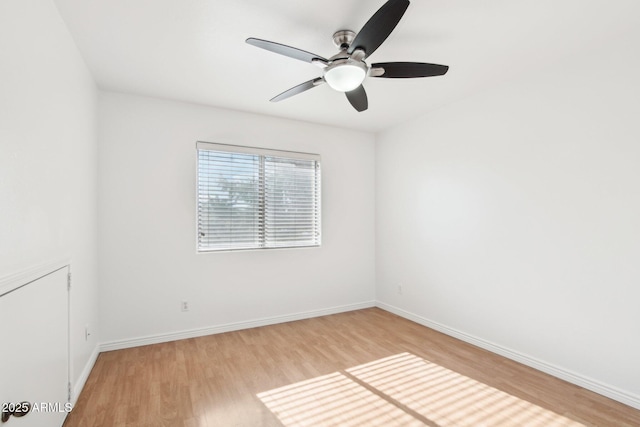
345, 75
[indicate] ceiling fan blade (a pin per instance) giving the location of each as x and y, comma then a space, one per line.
358, 98
399, 70
298, 89
379, 26
285, 50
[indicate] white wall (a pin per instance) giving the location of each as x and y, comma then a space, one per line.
514, 217
148, 260
48, 146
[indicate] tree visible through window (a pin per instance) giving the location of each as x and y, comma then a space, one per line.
250, 198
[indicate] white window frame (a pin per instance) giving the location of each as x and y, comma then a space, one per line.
263, 153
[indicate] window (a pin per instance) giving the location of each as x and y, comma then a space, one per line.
252, 198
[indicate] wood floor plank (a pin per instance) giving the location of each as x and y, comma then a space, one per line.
388, 371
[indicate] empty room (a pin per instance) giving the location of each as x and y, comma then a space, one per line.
338, 213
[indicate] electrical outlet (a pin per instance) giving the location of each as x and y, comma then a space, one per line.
399, 289
87, 332
185, 305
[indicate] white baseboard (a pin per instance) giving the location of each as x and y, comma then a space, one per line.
229, 327
79, 385
614, 393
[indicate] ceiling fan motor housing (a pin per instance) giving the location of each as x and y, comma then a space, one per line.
343, 38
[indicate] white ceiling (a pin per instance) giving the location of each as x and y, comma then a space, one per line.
194, 50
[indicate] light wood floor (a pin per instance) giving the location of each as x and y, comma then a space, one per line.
365, 367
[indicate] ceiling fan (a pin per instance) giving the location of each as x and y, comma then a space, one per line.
346, 70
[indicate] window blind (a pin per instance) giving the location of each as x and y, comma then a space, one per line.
252, 198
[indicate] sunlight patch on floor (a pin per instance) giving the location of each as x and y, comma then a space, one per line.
333, 400
403, 390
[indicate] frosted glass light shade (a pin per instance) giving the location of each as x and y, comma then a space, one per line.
345, 77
